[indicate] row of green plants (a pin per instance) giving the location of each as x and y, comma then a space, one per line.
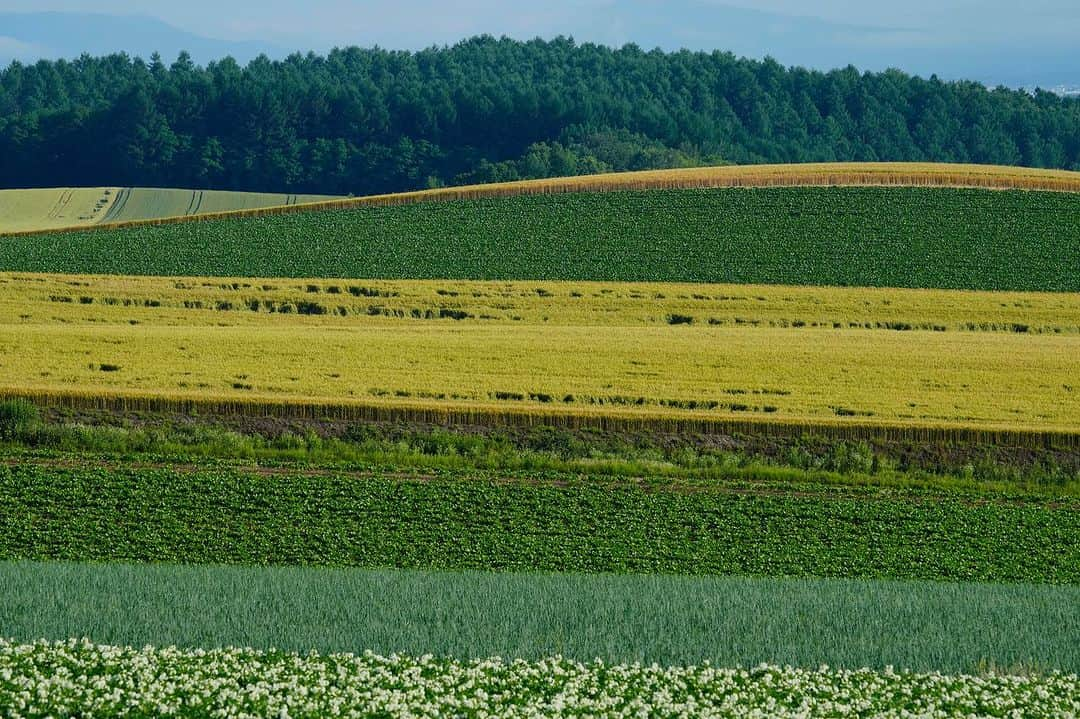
360, 446
892, 237
78, 678
667, 619
452, 521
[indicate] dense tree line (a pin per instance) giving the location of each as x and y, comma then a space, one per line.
362, 121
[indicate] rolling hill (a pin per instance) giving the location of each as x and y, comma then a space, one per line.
884, 225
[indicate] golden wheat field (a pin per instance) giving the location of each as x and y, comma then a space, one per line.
28, 299
934, 358
807, 174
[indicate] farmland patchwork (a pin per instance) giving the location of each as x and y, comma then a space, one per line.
659, 444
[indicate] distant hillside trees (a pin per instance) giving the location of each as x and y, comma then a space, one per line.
364, 121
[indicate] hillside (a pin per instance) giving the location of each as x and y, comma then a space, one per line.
47, 209
849, 225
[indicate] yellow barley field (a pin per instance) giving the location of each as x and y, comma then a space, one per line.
217, 301
754, 353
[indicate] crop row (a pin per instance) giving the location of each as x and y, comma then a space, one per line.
232, 517
76, 678
850, 236
108, 299
668, 619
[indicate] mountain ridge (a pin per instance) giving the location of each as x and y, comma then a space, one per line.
27, 37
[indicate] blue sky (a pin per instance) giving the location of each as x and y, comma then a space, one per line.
329, 22
991, 40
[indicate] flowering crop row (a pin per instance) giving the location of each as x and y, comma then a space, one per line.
77, 678
852, 236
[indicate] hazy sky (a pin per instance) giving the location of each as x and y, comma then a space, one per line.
1018, 43
320, 24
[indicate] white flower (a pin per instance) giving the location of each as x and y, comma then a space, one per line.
75, 677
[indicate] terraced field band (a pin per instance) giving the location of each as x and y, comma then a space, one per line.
453, 350
867, 174
971, 239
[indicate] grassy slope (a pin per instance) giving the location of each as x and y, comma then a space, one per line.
901, 237
976, 471
664, 619
472, 522
60, 208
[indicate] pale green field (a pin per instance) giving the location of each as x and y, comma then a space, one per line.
56, 208
140, 203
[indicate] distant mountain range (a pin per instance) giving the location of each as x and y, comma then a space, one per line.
805, 41
952, 46
28, 37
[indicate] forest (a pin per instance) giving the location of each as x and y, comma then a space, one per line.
362, 121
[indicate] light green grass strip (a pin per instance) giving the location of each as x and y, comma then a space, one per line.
670, 620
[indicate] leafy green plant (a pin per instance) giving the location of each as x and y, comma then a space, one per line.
17, 416
455, 520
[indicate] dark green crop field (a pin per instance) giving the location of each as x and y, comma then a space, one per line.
113, 513
889, 237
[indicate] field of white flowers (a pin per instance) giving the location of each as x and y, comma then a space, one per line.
78, 678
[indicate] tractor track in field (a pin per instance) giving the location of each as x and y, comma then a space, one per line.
195, 203
122, 197
61, 204
645, 484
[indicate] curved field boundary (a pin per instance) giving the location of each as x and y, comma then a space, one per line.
449, 414
793, 175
